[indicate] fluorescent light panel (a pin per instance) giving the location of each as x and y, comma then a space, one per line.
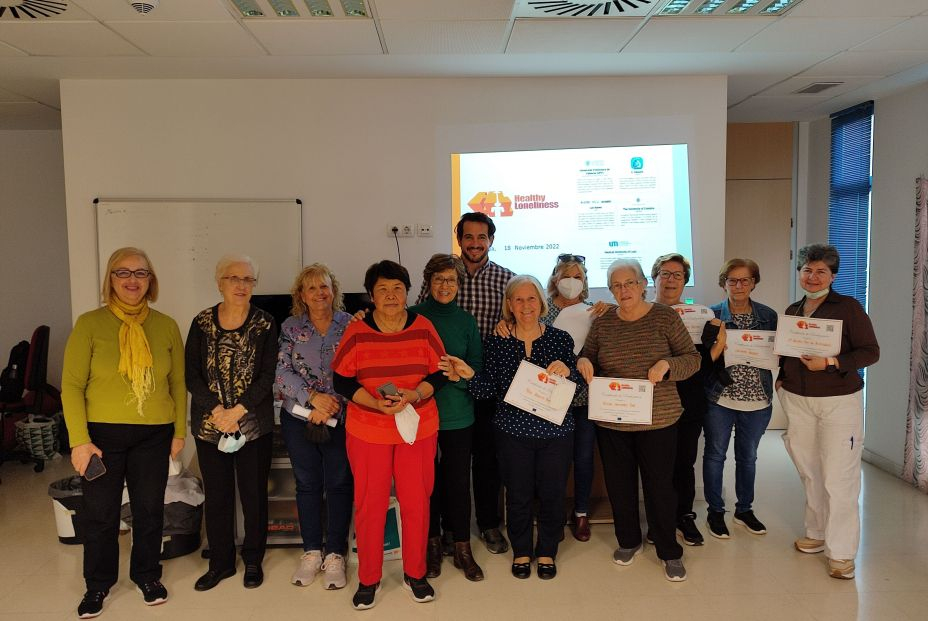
283, 8
675, 7
354, 8
776, 8
319, 8
743, 7
248, 8
709, 6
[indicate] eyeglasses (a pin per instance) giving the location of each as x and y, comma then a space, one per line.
440, 280
247, 281
618, 286
667, 275
125, 273
575, 258
744, 282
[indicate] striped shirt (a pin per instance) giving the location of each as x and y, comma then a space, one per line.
481, 295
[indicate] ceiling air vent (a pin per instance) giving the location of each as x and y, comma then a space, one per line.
565, 8
31, 9
817, 87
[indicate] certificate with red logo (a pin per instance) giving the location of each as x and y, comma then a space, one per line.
617, 400
753, 348
694, 317
797, 336
537, 392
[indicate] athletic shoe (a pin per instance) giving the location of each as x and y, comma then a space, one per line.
716, 522
420, 589
153, 592
843, 570
750, 522
92, 604
809, 545
333, 568
687, 527
364, 596
674, 570
625, 556
310, 564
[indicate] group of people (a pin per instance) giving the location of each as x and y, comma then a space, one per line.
412, 398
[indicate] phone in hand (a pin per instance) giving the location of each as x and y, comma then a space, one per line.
95, 469
388, 390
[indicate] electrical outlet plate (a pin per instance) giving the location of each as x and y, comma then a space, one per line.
402, 230
424, 230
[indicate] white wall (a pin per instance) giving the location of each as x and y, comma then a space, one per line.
900, 154
33, 243
361, 153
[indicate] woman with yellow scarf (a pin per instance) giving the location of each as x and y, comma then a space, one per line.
125, 402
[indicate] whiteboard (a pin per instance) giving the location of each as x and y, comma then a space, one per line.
186, 238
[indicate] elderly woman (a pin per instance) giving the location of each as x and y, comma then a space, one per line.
386, 362
740, 399
534, 453
312, 422
641, 340
457, 328
125, 404
670, 274
231, 358
823, 401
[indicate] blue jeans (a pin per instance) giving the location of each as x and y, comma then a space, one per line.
320, 468
584, 439
749, 428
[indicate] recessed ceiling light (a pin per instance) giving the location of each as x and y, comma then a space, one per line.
743, 6
778, 7
319, 8
726, 8
709, 6
674, 7
354, 8
283, 8
248, 8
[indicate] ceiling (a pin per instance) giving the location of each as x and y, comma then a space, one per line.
872, 47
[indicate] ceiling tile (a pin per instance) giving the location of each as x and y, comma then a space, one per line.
57, 38
120, 10
909, 35
28, 115
742, 86
443, 9
696, 34
444, 37
550, 36
817, 33
858, 8
190, 38
311, 37
7, 97
7, 50
869, 63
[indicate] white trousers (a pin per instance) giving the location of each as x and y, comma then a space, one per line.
825, 439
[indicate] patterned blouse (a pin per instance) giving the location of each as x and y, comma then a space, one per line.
746, 384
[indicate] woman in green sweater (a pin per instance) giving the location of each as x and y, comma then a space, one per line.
125, 402
450, 503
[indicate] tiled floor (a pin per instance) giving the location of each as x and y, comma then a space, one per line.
746, 577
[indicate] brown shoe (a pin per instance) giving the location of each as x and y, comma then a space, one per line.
433, 558
464, 560
581, 528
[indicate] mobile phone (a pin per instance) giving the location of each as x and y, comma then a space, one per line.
388, 390
95, 469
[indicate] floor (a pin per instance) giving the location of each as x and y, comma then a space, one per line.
747, 577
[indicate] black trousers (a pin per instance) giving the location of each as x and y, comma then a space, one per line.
250, 466
689, 428
138, 455
486, 466
534, 467
450, 502
652, 453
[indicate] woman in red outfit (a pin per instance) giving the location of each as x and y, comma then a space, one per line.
391, 351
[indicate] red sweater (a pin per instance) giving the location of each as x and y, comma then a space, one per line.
374, 358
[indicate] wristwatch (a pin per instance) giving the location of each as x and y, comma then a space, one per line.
832, 366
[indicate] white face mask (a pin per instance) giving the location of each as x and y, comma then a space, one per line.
818, 294
231, 442
570, 287
407, 423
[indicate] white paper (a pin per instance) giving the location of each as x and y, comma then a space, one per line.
753, 348
694, 317
537, 392
576, 321
797, 336
619, 400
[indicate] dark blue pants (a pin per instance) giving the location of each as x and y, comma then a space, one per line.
584, 440
749, 428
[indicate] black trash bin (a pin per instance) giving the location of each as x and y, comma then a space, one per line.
68, 502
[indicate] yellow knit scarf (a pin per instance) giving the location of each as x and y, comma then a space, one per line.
135, 362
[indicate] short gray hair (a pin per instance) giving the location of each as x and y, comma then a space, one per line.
627, 264
825, 253
229, 260
518, 281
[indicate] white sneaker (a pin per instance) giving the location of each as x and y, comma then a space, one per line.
310, 563
334, 571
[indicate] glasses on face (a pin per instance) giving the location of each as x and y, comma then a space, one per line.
628, 284
576, 258
247, 281
125, 273
442, 281
668, 275
744, 282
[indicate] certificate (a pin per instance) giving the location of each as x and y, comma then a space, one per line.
537, 392
694, 317
575, 320
797, 336
753, 348
617, 400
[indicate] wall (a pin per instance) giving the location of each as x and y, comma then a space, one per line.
33, 243
361, 153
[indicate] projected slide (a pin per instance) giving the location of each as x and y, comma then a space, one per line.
602, 203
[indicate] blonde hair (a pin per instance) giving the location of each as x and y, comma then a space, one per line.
559, 269
118, 255
513, 284
317, 271
229, 260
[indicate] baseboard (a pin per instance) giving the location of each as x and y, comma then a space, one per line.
882, 463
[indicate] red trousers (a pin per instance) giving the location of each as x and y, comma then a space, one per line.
412, 469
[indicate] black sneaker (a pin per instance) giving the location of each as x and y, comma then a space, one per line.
153, 592
92, 604
364, 596
716, 522
420, 588
750, 522
687, 527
